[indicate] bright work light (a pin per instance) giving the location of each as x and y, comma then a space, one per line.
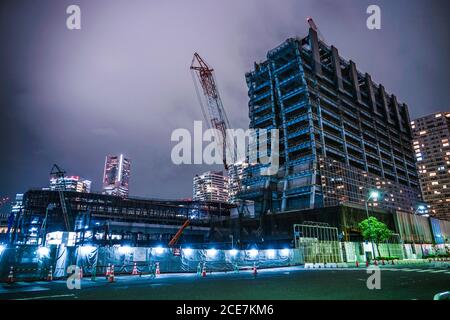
253, 253
211, 253
187, 252
374, 195
43, 251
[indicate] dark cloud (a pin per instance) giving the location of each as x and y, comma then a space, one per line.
122, 83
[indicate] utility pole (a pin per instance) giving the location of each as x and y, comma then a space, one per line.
373, 195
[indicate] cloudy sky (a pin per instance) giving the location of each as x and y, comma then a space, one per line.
122, 83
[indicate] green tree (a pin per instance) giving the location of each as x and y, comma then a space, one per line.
374, 230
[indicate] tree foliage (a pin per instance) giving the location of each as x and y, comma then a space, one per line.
374, 230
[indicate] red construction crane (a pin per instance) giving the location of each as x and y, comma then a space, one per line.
215, 114
177, 236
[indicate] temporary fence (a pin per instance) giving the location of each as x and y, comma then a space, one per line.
318, 242
95, 261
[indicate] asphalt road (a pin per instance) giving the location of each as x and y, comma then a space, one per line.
397, 282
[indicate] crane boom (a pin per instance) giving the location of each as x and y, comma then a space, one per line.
177, 236
215, 114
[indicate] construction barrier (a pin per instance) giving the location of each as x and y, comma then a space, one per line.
50, 274
135, 270
11, 275
98, 260
111, 277
204, 271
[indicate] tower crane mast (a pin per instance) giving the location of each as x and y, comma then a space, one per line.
58, 173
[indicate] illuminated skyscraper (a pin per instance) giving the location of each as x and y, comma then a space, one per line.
211, 186
71, 183
432, 148
116, 175
236, 173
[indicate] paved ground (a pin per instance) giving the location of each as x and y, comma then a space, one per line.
397, 282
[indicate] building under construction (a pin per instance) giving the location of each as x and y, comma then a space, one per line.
101, 219
340, 134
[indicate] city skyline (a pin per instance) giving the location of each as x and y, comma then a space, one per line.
87, 75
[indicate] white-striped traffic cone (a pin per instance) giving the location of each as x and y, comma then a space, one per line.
157, 269
50, 274
111, 274
204, 271
135, 270
108, 271
11, 275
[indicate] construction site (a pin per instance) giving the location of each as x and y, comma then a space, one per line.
341, 136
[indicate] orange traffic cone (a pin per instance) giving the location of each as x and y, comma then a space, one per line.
135, 270
357, 264
50, 274
81, 273
255, 270
376, 262
367, 263
108, 271
157, 269
11, 275
111, 274
204, 271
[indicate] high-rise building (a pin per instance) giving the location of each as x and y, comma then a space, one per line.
70, 183
236, 174
116, 175
340, 133
211, 186
432, 147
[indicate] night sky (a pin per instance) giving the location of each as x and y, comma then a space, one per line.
122, 83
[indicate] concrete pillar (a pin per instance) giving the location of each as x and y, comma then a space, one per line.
407, 118
384, 102
369, 85
337, 68
314, 44
354, 76
397, 112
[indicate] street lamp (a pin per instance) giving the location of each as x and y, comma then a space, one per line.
372, 196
